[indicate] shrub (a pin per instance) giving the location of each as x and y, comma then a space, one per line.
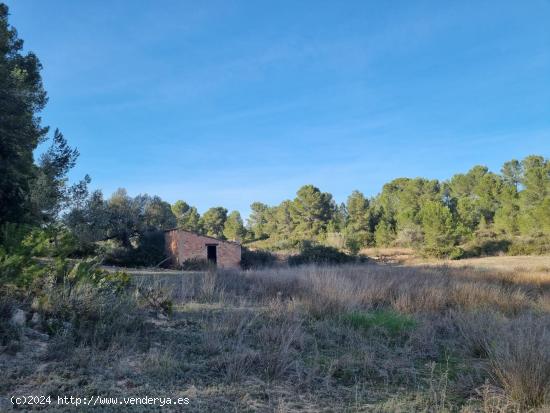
196, 264
537, 245
50, 242
156, 298
17, 269
257, 259
12, 236
486, 243
87, 316
89, 272
318, 254
148, 252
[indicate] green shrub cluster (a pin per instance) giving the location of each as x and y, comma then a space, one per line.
311, 253
527, 246
78, 302
196, 264
146, 250
257, 259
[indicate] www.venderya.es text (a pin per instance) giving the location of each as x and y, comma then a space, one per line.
96, 400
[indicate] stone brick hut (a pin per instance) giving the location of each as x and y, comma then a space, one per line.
182, 245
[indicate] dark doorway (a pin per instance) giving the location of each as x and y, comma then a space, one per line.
211, 254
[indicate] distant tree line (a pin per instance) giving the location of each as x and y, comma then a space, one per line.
430, 215
435, 217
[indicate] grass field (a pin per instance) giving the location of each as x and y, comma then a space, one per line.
471, 336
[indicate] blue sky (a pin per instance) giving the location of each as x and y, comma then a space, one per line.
230, 102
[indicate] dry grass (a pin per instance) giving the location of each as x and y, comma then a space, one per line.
520, 360
350, 338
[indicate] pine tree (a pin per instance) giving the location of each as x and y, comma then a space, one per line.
22, 97
213, 221
311, 211
187, 217
438, 227
234, 229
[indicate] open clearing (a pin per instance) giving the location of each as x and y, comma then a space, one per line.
386, 338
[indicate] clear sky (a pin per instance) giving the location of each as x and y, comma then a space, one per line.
229, 102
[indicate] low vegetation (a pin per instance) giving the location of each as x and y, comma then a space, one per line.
359, 337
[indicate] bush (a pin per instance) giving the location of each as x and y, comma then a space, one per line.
486, 247
12, 236
197, 264
87, 316
452, 252
156, 298
52, 241
149, 251
257, 259
151, 248
88, 272
530, 246
17, 269
490, 243
318, 254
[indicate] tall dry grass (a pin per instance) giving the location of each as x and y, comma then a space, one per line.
520, 360
291, 326
330, 290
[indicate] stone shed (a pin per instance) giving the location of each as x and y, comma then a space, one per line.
183, 245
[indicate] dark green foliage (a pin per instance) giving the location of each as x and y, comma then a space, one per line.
196, 264
234, 229
439, 230
311, 211
148, 251
384, 233
121, 217
88, 272
318, 254
358, 222
17, 266
132, 226
187, 217
18, 269
257, 259
22, 97
29, 192
258, 219
538, 245
50, 194
213, 222
441, 219
151, 249
486, 244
